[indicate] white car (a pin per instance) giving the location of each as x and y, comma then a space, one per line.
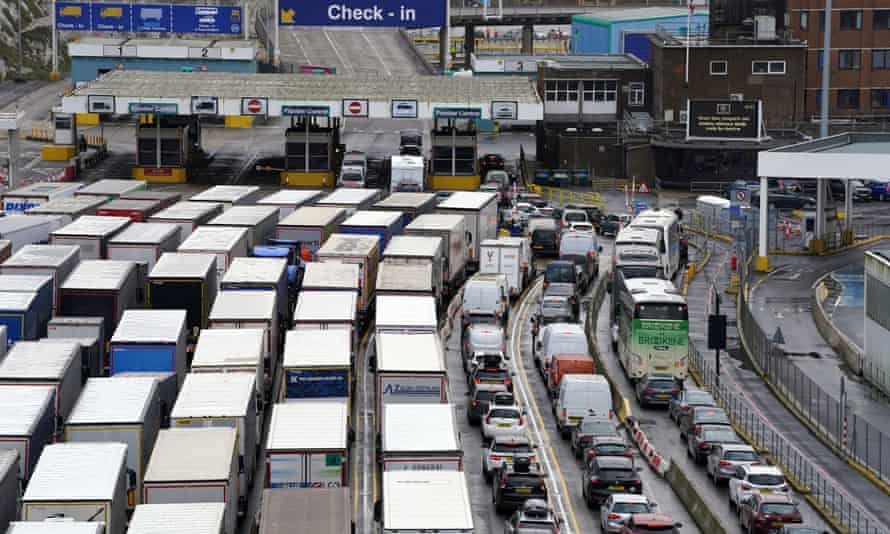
582, 227
618, 508
503, 450
749, 479
503, 421
725, 457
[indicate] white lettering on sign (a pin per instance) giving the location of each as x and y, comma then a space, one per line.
341, 12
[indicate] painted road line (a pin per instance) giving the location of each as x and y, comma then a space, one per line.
562, 500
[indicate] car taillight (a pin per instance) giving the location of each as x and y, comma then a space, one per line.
495, 458
507, 381
546, 283
521, 421
704, 445
594, 480
629, 453
487, 419
563, 413
685, 408
696, 428
532, 458
746, 486
724, 463
675, 392
613, 516
474, 403
648, 391
477, 380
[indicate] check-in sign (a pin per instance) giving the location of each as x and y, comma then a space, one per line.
458, 113
305, 111
155, 108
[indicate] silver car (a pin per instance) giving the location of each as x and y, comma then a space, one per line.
618, 508
503, 450
481, 337
554, 309
725, 457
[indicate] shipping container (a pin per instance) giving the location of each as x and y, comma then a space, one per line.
224, 242
229, 195
24, 230
49, 362
179, 518
25, 316
310, 226
233, 350
53, 260
297, 511
184, 282
425, 501
191, 465
420, 250
382, 224
166, 198
111, 188
326, 310
406, 280
69, 208
135, 210
259, 221
188, 215
37, 194
330, 276
287, 200
250, 309
453, 231
420, 437
410, 370
55, 527
406, 314
144, 243
9, 487
352, 200
480, 211
361, 250
80, 482
28, 423
120, 410
225, 400
90, 333
317, 366
410, 205
151, 341
92, 233
261, 274
100, 288
308, 446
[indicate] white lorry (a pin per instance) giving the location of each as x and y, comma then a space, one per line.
511, 257
425, 501
453, 231
407, 174
421, 437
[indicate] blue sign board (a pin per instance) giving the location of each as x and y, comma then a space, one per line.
111, 17
152, 18
382, 13
74, 16
163, 108
207, 19
316, 383
457, 113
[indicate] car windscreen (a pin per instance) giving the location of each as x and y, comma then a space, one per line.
351, 177
720, 436
570, 345
545, 236
576, 216
598, 428
612, 473
766, 479
514, 448
555, 305
484, 395
610, 449
560, 273
524, 481
492, 376
662, 311
699, 398
711, 416
630, 508
740, 456
638, 271
661, 384
501, 413
778, 508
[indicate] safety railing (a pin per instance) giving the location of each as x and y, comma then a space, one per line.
566, 196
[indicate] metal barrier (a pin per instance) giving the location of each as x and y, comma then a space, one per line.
566, 196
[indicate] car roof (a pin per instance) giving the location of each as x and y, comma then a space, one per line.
629, 497
763, 469
512, 440
774, 498
613, 461
736, 447
701, 409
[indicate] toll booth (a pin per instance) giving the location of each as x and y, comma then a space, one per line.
65, 138
454, 163
312, 150
166, 146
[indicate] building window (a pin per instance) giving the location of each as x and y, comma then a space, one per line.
880, 59
719, 68
848, 99
767, 67
804, 21
637, 94
848, 59
822, 21
601, 91
561, 91
880, 98
881, 19
820, 57
851, 20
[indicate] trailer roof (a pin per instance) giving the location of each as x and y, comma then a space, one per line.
426, 500
317, 348
291, 197
331, 275
12, 223
99, 275
114, 400
93, 226
407, 311
55, 527
43, 188
245, 216
163, 196
372, 218
404, 200
9, 461
77, 472
326, 306
435, 221
111, 187
24, 283
349, 245
256, 270
178, 518
176, 265
503, 241
150, 326
145, 233
415, 246
132, 204
419, 428
16, 301
225, 193
308, 426
186, 210
243, 305
348, 197
215, 238
221, 347
215, 395
302, 511
192, 455
20, 408
48, 359
410, 353
467, 200
42, 255
405, 277
313, 216
68, 205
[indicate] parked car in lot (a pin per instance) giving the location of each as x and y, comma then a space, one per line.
607, 446
589, 429
701, 415
608, 475
503, 421
749, 479
504, 450
765, 513
656, 389
516, 484
686, 399
650, 523
535, 517
617, 509
725, 457
703, 437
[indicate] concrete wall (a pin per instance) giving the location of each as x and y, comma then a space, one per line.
85, 69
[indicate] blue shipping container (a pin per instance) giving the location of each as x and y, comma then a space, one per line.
316, 383
21, 315
143, 358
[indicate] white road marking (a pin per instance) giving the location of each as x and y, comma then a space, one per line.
342, 59
376, 53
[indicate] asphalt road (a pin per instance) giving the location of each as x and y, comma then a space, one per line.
352, 51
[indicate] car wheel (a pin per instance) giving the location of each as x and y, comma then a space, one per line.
577, 451
486, 474
731, 502
590, 504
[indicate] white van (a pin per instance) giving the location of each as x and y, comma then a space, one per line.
582, 397
559, 338
486, 299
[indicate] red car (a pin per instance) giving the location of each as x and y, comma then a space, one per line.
764, 513
651, 524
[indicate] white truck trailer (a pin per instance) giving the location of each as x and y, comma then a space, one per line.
54, 260
310, 226
229, 195
480, 211
110, 188
317, 366
69, 208
421, 437
259, 221
330, 276
37, 194
188, 215
250, 309
51, 362
144, 243
453, 231
28, 423
22, 230
233, 350
406, 314
511, 257
420, 250
425, 501
179, 518
361, 250
224, 242
92, 233
288, 200
297, 511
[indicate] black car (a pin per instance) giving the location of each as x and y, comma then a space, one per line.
610, 225
584, 433
701, 415
491, 377
490, 162
478, 405
608, 475
784, 201
545, 240
517, 483
656, 389
607, 446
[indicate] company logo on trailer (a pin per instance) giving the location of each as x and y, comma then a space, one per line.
401, 390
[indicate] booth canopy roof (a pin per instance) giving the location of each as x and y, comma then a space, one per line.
842, 156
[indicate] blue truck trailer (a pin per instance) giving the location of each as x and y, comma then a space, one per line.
150, 341
383, 224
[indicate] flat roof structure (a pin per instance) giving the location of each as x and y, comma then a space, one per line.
285, 93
